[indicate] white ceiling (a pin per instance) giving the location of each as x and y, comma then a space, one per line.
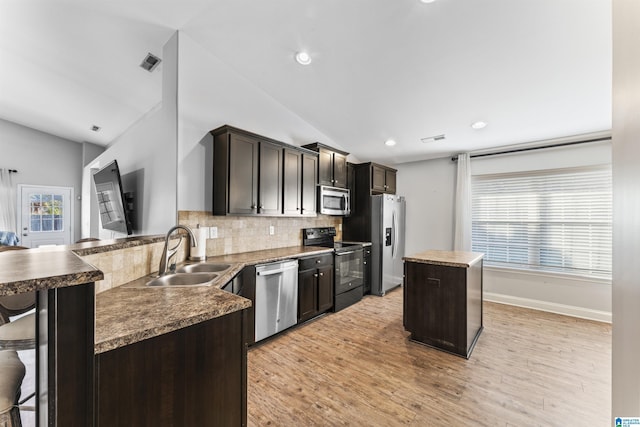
400, 69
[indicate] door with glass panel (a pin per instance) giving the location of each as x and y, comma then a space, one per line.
45, 215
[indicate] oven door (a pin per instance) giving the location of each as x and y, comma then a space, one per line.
349, 269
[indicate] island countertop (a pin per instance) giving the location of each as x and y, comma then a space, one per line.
134, 312
446, 258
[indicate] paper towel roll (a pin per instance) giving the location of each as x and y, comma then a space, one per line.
199, 253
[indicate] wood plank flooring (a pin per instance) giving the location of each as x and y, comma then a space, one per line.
357, 367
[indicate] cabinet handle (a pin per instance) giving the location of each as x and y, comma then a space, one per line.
318, 261
253, 206
321, 274
365, 263
261, 206
315, 274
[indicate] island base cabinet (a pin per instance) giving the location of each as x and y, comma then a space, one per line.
195, 376
443, 306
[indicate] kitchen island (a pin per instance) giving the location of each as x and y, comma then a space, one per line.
443, 299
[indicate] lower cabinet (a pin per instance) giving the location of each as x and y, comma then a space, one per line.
315, 286
195, 376
443, 305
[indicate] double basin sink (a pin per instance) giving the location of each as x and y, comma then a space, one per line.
199, 274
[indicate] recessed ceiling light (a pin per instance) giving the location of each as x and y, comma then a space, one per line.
303, 58
389, 143
427, 1
478, 125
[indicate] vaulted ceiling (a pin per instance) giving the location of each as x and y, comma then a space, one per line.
381, 69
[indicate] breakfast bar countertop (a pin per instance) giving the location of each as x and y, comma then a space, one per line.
134, 312
446, 258
45, 268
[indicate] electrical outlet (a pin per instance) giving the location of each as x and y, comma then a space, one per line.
340, 227
272, 230
213, 232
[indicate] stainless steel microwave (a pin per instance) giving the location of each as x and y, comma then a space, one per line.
334, 201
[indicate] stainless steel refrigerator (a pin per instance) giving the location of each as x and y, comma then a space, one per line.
387, 242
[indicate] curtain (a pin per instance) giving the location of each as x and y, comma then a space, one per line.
7, 202
462, 240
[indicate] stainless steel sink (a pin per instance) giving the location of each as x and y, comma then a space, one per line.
184, 279
202, 267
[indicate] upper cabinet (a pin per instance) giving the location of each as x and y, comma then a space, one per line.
332, 165
383, 179
255, 175
300, 177
374, 178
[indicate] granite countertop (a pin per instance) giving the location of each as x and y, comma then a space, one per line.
446, 258
45, 268
134, 312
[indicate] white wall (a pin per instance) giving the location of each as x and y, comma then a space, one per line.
211, 94
626, 209
430, 190
149, 148
42, 159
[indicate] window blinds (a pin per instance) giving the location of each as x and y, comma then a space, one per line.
554, 220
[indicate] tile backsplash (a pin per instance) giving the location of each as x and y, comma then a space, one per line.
235, 235
251, 233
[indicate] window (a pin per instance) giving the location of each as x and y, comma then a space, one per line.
554, 220
46, 212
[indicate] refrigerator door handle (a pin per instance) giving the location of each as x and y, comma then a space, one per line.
393, 230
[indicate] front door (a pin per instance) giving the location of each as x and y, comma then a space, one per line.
45, 215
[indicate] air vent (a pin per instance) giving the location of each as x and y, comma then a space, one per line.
150, 62
95, 128
432, 138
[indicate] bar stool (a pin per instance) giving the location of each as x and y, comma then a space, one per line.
20, 334
12, 372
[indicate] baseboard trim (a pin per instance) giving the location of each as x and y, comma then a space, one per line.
552, 307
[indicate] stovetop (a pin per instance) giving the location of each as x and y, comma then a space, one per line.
324, 237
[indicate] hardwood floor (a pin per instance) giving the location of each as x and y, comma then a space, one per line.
357, 367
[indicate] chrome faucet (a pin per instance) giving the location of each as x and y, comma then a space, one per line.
167, 253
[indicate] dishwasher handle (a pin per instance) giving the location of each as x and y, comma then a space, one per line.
289, 266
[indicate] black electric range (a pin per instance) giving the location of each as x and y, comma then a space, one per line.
348, 268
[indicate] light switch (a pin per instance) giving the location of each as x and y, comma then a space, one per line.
272, 230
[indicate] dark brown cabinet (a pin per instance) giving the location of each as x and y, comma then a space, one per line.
443, 305
255, 175
270, 179
300, 177
315, 286
194, 376
332, 165
383, 179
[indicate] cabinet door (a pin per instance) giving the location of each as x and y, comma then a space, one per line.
270, 184
309, 181
378, 180
423, 304
390, 182
325, 167
307, 295
292, 180
243, 175
325, 288
339, 170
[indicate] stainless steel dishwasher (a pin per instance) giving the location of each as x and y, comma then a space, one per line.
276, 297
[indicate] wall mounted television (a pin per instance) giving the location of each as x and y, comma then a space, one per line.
114, 213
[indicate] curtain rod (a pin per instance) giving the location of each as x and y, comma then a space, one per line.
11, 170
518, 150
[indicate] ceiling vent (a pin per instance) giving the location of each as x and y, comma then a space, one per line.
150, 62
432, 138
95, 128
